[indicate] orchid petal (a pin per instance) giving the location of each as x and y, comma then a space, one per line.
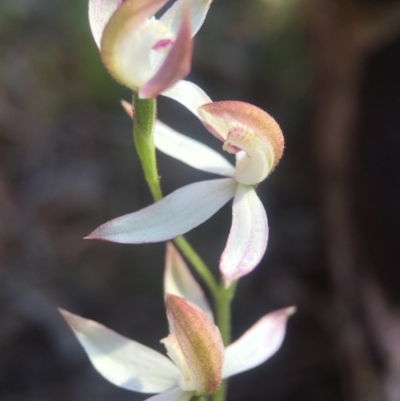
257, 344
100, 12
198, 10
189, 95
170, 217
175, 394
200, 343
178, 280
190, 151
248, 236
123, 362
176, 64
124, 50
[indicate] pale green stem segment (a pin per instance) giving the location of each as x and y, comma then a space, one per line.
198, 265
223, 305
145, 114
220, 395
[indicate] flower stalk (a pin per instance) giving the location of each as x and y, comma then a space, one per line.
223, 306
144, 120
199, 265
145, 113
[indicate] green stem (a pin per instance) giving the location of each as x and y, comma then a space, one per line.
144, 117
145, 114
198, 264
220, 395
224, 311
223, 304
224, 316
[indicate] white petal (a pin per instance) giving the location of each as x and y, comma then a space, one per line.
121, 361
172, 216
189, 95
190, 151
100, 11
258, 344
248, 237
176, 394
197, 9
178, 280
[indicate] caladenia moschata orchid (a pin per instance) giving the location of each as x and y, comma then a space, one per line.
151, 56
146, 54
257, 140
198, 360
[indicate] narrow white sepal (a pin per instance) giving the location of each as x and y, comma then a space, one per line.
190, 151
174, 215
178, 280
175, 394
100, 11
248, 236
123, 362
189, 95
197, 10
257, 344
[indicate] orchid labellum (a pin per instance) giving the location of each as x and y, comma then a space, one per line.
144, 53
197, 359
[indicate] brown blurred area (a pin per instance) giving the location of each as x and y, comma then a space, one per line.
328, 71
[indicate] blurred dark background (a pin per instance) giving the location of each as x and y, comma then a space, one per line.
328, 71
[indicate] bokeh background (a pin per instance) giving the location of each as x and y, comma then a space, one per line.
328, 71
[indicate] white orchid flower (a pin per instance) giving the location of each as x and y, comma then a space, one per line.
198, 360
246, 130
146, 54
255, 346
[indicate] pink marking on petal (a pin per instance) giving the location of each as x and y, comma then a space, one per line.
176, 65
163, 44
